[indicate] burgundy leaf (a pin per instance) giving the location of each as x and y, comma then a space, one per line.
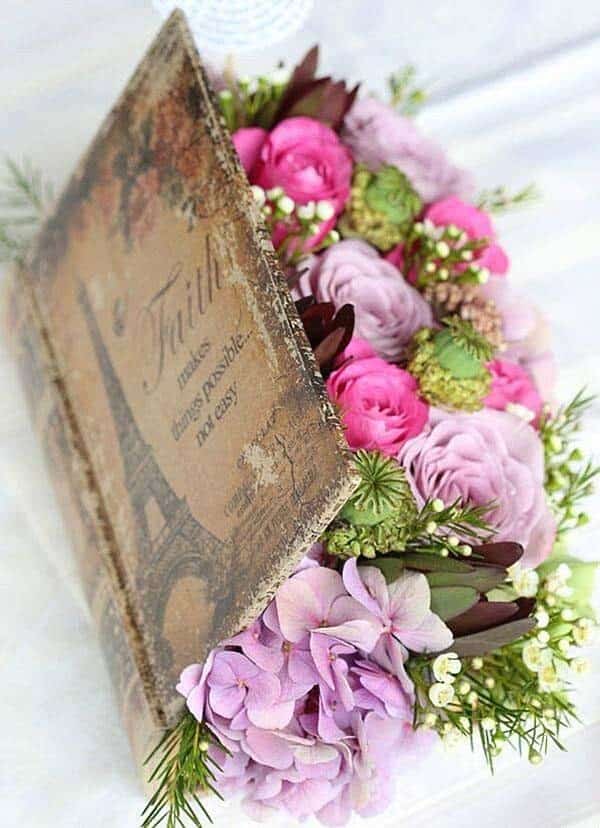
503, 554
487, 641
483, 616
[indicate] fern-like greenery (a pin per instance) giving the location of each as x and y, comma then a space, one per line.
24, 199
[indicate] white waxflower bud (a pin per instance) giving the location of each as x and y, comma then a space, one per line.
437, 505
430, 267
548, 679
483, 275
325, 210
274, 193
525, 581
535, 657
258, 194
442, 249
441, 694
490, 683
568, 614
543, 637
564, 645
477, 663
542, 618
488, 723
467, 255
431, 527
466, 550
463, 688
334, 236
535, 758
454, 541
306, 212
446, 667
580, 666
286, 205
430, 719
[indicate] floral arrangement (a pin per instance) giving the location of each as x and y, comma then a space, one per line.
441, 602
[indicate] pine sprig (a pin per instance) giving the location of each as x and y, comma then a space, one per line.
569, 476
184, 770
464, 334
445, 530
405, 95
499, 200
24, 199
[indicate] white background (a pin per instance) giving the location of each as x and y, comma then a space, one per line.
515, 97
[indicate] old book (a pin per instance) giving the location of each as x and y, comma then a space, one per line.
193, 448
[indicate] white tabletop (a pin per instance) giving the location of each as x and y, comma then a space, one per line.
516, 99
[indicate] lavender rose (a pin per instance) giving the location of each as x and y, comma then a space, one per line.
377, 134
388, 310
484, 457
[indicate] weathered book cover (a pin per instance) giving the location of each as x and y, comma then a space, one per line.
185, 420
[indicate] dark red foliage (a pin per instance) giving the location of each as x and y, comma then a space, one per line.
328, 332
323, 99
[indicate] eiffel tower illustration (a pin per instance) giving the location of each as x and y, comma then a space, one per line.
171, 543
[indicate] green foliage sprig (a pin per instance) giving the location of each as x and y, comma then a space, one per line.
24, 199
569, 475
499, 200
405, 95
252, 101
184, 770
443, 254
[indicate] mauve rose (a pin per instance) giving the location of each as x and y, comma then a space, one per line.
388, 311
512, 386
488, 456
308, 160
477, 225
379, 402
526, 333
377, 134
248, 142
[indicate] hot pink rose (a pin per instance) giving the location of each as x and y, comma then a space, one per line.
379, 402
476, 224
248, 142
513, 387
306, 159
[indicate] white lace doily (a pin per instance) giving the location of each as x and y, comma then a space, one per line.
239, 25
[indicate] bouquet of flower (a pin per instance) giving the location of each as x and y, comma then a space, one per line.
440, 603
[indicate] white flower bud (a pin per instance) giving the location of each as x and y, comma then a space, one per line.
477, 663
430, 719
580, 666
542, 618
437, 505
258, 194
325, 210
274, 193
446, 666
286, 205
442, 249
525, 581
441, 694
306, 212
488, 723
535, 657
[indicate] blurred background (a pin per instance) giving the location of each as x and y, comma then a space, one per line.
515, 96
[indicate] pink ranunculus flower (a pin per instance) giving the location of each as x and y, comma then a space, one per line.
388, 311
486, 457
513, 390
403, 610
526, 333
477, 225
379, 402
308, 160
377, 134
248, 142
